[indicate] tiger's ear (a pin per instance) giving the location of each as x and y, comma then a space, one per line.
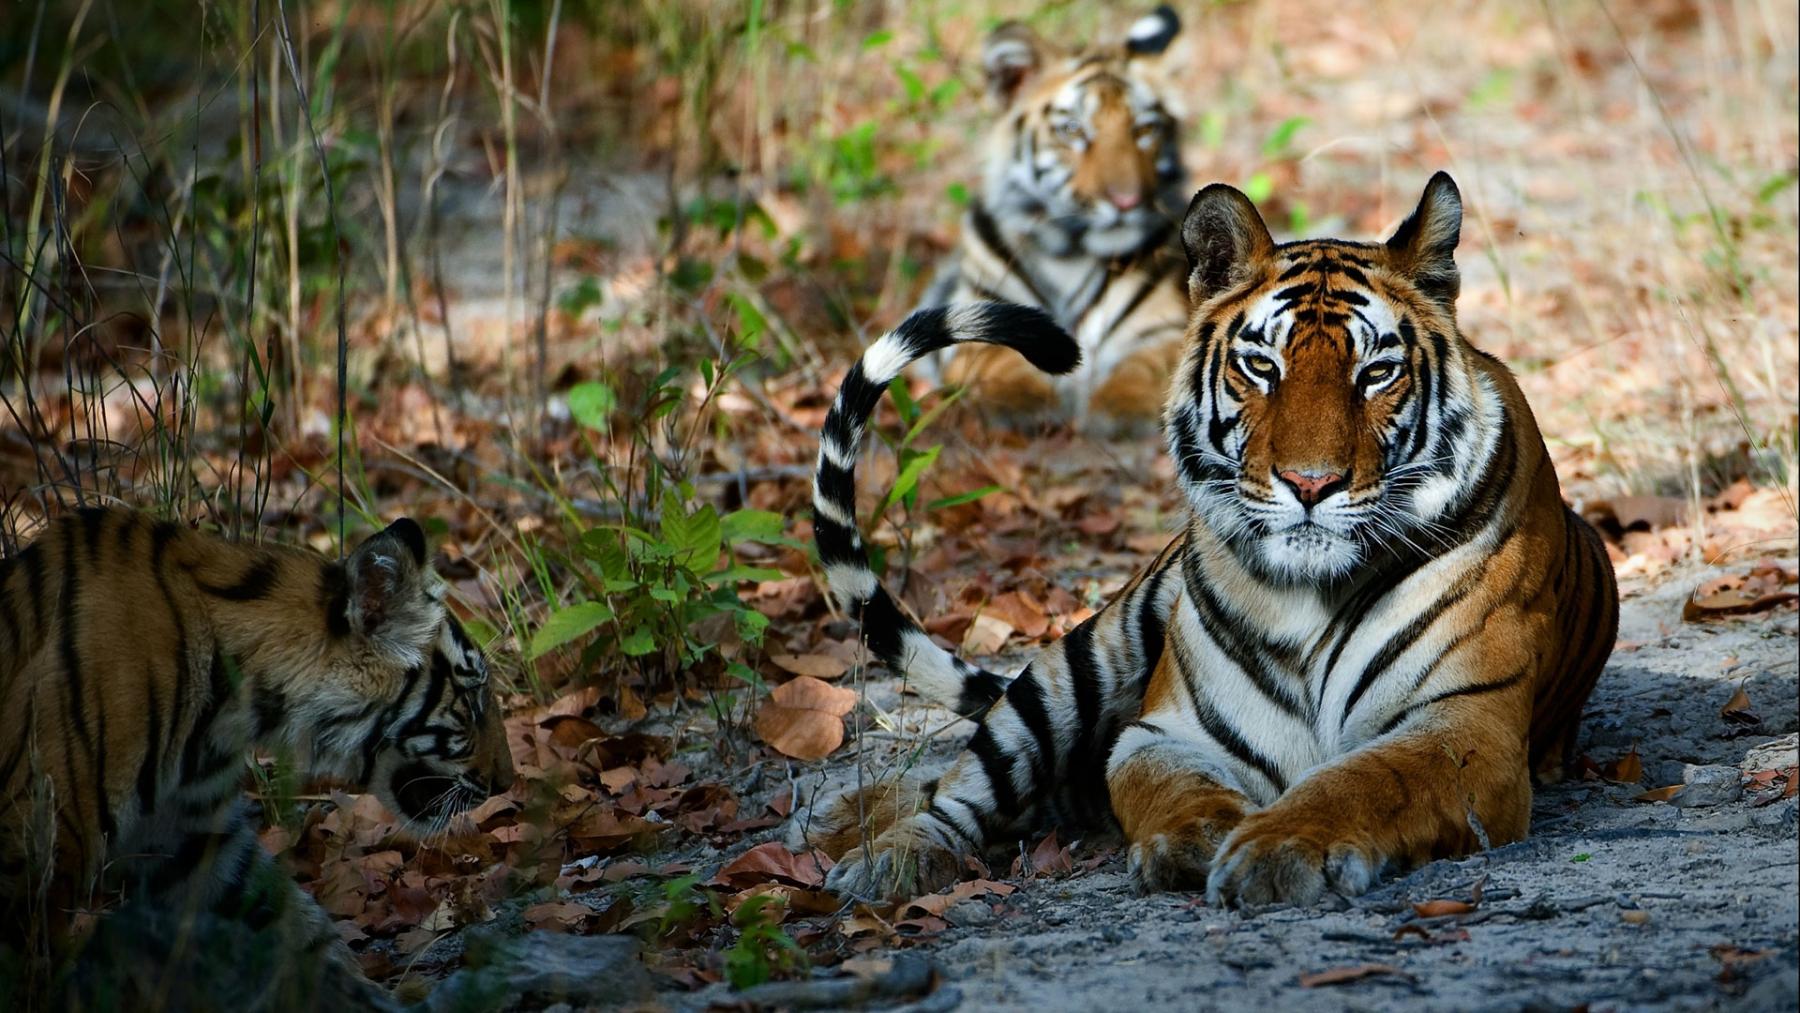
1423, 248
386, 574
1151, 34
1010, 56
1225, 238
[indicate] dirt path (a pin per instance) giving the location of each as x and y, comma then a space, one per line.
1610, 903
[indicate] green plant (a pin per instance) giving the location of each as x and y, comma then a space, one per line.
762, 950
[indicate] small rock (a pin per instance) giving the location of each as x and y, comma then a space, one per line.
1780, 754
1708, 785
970, 914
548, 967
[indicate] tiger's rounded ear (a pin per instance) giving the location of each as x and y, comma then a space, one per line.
385, 573
1009, 57
1423, 248
1224, 237
1151, 34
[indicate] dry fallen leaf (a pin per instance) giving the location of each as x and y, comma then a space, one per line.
1738, 708
1340, 975
1439, 908
773, 862
1627, 769
986, 635
1658, 794
818, 666
804, 718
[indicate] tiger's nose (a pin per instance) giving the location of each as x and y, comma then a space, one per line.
1311, 487
1125, 200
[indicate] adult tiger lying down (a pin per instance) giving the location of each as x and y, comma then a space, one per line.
1377, 623
140, 660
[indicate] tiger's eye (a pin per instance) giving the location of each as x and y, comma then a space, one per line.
1259, 366
1379, 373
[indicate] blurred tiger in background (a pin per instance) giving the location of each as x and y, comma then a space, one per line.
139, 662
1075, 216
1379, 621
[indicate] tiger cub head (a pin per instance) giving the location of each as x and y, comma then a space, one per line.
436, 745
1084, 159
1327, 410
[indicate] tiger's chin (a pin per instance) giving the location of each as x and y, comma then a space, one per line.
1306, 554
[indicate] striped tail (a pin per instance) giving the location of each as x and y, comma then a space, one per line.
890, 634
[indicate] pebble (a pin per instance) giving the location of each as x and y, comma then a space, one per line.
1708, 785
970, 914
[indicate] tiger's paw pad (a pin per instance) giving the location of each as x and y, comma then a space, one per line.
1165, 862
1259, 865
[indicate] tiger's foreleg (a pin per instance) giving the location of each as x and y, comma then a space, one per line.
1449, 777
1174, 799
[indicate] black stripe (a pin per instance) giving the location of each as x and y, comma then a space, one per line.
1087, 788
1026, 697
1218, 728
1152, 630
1398, 643
1473, 689
997, 765
160, 537
199, 755
988, 232
1240, 642
269, 706
93, 525
252, 586
334, 600
31, 560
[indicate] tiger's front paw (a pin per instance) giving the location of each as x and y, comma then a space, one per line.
1272, 858
916, 856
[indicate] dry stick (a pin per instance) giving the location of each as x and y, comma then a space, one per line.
343, 345
560, 172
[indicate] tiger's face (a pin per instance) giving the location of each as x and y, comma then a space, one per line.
1326, 411
435, 745
1085, 156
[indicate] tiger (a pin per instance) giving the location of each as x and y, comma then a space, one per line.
1378, 622
1075, 216
140, 661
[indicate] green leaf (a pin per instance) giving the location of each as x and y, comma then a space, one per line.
666, 594
745, 674
903, 399
566, 624
693, 539
1259, 187
962, 497
638, 642
911, 84
602, 546
1283, 135
748, 525
875, 40
581, 297
733, 574
912, 467
958, 194
591, 403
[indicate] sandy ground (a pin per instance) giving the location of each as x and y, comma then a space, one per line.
1609, 904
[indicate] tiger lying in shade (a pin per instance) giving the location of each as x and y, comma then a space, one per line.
1378, 622
140, 660
1075, 216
